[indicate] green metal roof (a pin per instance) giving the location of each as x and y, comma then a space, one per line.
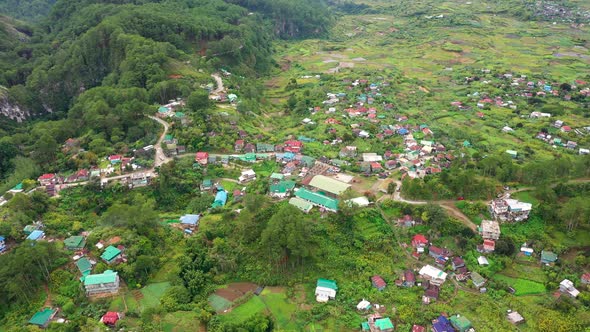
460, 322
110, 253
548, 256
383, 323
277, 176
327, 283
41, 318
365, 326
18, 187
327, 184
282, 187
84, 266
301, 204
75, 242
106, 277
318, 199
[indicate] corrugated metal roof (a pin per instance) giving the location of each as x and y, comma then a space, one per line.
328, 184
106, 277
317, 199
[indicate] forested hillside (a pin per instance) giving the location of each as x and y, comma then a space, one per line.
26, 10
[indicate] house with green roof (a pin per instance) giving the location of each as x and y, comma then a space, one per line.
460, 323
301, 204
478, 280
84, 266
17, 189
264, 147
101, 284
318, 199
43, 318
110, 254
277, 176
325, 290
383, 325
207, 184
548, 257
281, 189
76, 242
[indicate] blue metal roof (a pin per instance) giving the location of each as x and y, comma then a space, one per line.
190, 219
1, 238
35, 235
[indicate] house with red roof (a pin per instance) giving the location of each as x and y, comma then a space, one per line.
378, 282
566, 129
239, 145
47, 179
202, 157
409, 279
418, 328
419, 242
110, 318
115, 158
585, 279
293, 146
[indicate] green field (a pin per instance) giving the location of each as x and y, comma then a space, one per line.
272, 302
180, 321
522, 286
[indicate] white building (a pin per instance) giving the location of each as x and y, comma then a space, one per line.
247, 176
434, 275
372, 157
507, 209
567, 287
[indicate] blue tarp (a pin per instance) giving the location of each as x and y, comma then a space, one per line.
190, 219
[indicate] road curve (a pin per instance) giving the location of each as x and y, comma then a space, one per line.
160, 157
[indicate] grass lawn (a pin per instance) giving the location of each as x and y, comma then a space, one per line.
152, 294
273, 301
522, 286
228, 185
526, 196
180, 321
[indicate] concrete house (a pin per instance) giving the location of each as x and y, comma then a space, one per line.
432, 274
325, 290
490, 229
102, 284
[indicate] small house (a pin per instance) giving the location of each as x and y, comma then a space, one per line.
190, 220
584, 279
409, 279
247, 176
115, 158
457, 262
363, 305
478, 280
439, 253
75, 242
526, 250
202, 158
460, 323
418, 328
47, 179
442, 324
567, 287
548, 257
383, 325
325, 290
378, 282
36, 235
110, 254
207, 184
406, 220
487, 246
220, 198
281, 189
110, 318
482, 261
514, 317
101, 284
43, 318
84, 266
419, 242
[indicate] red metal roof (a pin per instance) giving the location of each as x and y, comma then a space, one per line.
202, 155
47, 176
419, 239
378, 281
110, 318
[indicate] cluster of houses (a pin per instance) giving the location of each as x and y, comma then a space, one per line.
172, 109
510, 210
559, 142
